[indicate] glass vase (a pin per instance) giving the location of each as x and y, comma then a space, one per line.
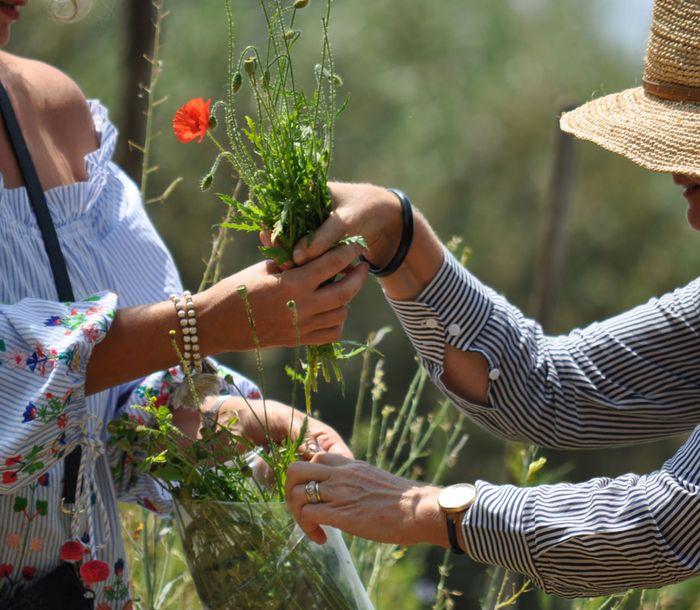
254, 556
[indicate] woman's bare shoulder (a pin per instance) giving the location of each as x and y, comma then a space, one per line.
54, 112
48, 88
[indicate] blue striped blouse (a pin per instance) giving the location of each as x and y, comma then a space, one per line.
115, 258
630, 379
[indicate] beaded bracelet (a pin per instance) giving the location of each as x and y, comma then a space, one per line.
188, 323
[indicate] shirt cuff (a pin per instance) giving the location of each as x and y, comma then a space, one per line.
494, 529
452, 309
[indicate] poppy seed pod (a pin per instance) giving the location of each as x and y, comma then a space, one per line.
301, 4
237, 82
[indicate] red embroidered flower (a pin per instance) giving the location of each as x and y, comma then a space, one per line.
94, 571
103, 606
5, 570
11, 461
91, 333
43, 480
9, 476
191, 121
28, 572
62, 420
72, 551
254, 395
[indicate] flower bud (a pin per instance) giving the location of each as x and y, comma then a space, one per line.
301, 4
212, 122
250, 65
291, 34
205, 184
266, 78
237, 82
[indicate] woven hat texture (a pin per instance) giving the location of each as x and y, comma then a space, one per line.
650, 124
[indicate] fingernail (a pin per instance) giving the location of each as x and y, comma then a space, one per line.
298, 256
314, 448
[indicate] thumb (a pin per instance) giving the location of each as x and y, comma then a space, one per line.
323, 239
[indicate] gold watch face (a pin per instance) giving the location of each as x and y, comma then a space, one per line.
457, 497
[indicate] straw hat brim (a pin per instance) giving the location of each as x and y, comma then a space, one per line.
659, 135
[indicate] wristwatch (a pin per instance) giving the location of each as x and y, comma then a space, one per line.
453, 501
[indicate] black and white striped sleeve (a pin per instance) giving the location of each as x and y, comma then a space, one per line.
594, 538
632, 378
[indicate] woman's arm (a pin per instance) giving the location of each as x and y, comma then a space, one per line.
594, 538
628, 379
139, 342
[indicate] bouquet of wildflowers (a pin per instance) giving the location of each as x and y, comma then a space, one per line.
283, 153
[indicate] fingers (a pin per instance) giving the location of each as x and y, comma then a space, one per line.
324, 336
331, 459
329, 265
342, 292
325, 237
266, 239
329, 319
311, 518
299, 473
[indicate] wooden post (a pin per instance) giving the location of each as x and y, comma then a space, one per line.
553, 248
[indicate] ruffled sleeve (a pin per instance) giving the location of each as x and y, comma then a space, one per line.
45, 348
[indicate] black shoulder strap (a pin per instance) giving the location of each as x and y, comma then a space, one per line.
53, 250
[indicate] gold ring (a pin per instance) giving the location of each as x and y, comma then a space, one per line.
311, 489
318, 493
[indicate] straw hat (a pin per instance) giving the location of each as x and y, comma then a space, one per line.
656, 125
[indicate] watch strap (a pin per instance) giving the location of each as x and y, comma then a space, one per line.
452, 533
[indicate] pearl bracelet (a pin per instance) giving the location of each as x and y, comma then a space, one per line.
188, 323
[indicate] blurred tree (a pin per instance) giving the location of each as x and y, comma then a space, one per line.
138, 40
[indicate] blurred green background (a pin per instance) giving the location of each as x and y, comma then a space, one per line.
457, 103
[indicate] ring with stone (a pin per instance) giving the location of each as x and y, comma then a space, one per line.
313, 494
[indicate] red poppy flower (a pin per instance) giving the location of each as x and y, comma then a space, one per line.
28, 572
192, 120
5, 570
94, 571
9, 476
72, 551
11, 461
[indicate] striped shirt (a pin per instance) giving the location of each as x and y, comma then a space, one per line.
630, 379
115, 258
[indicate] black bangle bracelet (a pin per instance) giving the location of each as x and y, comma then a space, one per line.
406, 238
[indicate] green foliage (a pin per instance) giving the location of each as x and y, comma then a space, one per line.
283, 155
213, 467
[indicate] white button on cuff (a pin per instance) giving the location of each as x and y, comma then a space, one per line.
494, 374
431, 323
454, 329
